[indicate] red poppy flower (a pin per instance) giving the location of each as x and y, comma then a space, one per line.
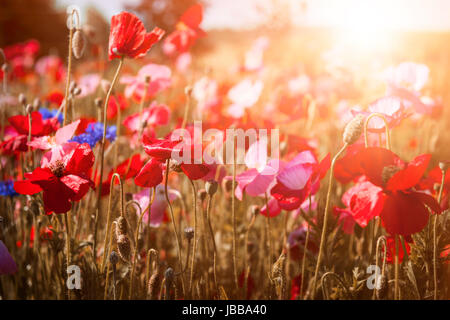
20, 123
300, 177
128, 37
127, 169
347, 168
390, 254
64, 181
405, 211
115, 102
187, 31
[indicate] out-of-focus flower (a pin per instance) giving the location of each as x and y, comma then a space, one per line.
51, 67
7, 263
88, 84
159, 205
155, 115
205, 91
160, 79
186, 33
51, 113
254, 57
20, 57
390, 254
408, 75
129, 38
94, 133
243, 95
7, 188
63, 181
115, 102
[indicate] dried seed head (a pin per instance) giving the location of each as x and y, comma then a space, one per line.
388, 172
444, 165
29, 109
78, 43
122, 226
22, 99
227, 185
124, 247
211, 187
113, 258
189, 233
353, 130
98, 102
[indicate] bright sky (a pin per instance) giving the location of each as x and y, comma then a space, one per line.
386, 14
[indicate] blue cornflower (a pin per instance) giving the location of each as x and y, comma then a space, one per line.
7, 188
94, 133
48, 113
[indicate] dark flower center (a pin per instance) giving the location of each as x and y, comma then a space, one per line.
57, 168
388, 172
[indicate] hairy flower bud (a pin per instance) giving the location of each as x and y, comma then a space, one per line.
29, 109
122, 226
189, 233
78, 43
22, 99
124, 247
353, 129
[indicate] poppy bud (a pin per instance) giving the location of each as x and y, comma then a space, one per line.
124, 247
5, 67
36, 103
98, 102
202, 194
211, 187
169, 275
444, 165
188, 90
353, 129
78, 43
29, 109
22, 99
106, 85
227, 185
72, 86
113, 258
175, 166
255, 210
154, 284
76, 91
189, 233
147, 78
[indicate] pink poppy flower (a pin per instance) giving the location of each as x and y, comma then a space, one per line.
7, 263
88, 84
243, 96
408, 75
205, 91
58, 144
51, 67
159, 205
160, 79
155, 115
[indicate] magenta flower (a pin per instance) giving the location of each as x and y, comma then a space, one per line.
7, 263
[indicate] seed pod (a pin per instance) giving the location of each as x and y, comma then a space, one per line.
147, 78
122, 226
353, 130
154, 283
211, 187
78, 43
5, 67
124, 247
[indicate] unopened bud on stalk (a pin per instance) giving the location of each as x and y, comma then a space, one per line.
202, 194
444, 165
5, 67
36, 103
188, 90
76, 91
169, 275
353, 130
29, 109
105, 84
147, 78
22, 99
78, 43
98, 102
122, 226
113, 258
211, 187
72, 86
255, 210
189, 233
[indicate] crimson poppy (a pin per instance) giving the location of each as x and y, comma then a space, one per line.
63, 181
404, 211
128, 37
